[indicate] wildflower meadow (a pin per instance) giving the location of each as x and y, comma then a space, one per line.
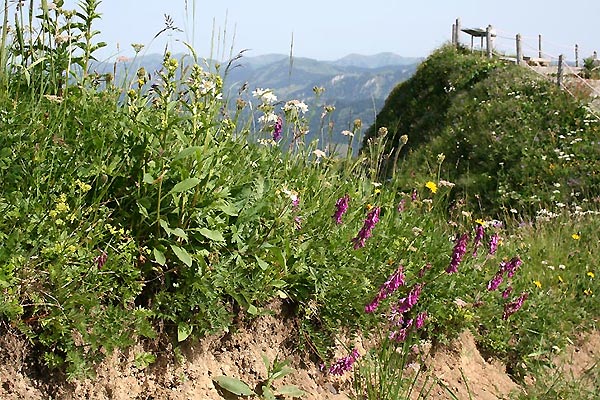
153, 209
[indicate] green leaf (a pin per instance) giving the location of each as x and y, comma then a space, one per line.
182, 254
262, 264
148, 178
187, 152
228, 209
290, 390
252, 310
184, 185
159, 257
268, 393
234, 385
212, 235
183, 331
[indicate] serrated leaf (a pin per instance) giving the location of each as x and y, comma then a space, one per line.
182, 254
234, 385
212, 235
184, 185
290, 390
159, 257
183, 331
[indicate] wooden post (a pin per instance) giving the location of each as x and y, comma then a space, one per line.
559, 75
519, 50
540, 46
576, 55
488, 41
457, 32
453, 35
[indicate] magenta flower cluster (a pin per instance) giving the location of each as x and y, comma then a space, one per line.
341, 206
479, 233
509, 268
512, 307
460, 248
392, 284
365, 232
401, 326
101, 259
277, 129
493, 244
344, 364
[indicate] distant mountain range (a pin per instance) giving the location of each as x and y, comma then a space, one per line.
356, 85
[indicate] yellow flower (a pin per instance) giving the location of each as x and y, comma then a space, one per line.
560, 279
431, 186
576, 236
588, 292
369, 207
479, 221
377, 191
591, 274
538, 284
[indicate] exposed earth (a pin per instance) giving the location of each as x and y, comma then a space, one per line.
239, 354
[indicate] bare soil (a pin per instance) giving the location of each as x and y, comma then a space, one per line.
239, 354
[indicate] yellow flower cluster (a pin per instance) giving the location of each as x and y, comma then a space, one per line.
431, 186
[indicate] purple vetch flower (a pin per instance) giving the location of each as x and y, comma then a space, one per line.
341, 206
479, 233
420, 320
511, 267
506, 292
408, 302
413, 196
365, 232
344, 364
460, 248
401, 205
392, 284
101, 259
493, 244
495, 282
277, 129
400, 335
512, 307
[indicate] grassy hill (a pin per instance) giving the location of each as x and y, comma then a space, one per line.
510, 137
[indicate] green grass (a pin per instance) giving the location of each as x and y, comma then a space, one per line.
129, 213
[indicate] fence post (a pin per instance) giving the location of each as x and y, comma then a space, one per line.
576, 55
457, 32
540, 46
453, 35
559, 75
488, 41
519, 50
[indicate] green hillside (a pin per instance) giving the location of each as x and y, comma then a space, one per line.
510, 137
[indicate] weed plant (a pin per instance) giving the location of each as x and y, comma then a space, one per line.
142, 213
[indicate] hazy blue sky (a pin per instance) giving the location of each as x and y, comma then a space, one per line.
330, 29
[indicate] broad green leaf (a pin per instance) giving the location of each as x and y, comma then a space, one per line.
262, 264
268, 393
183, 331
182, 254
142, 210
228, 209
290, 390
180, 233
187, 152
212, 235
185, 184
159, 257
234, 386
148, 178
252, 310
